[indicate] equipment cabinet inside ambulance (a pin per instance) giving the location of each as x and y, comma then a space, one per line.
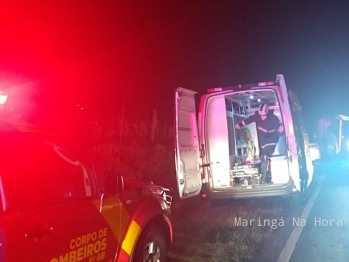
211, 154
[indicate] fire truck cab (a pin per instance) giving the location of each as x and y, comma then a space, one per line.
210, 154
56, 205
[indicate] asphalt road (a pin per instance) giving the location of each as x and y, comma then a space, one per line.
325, 236
317, 230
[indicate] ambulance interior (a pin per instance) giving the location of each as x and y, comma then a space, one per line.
234, 154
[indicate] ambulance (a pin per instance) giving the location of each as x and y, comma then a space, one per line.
58, 206
211, 155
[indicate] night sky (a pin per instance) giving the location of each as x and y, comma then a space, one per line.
100, 52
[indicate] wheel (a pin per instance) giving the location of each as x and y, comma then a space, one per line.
151, 246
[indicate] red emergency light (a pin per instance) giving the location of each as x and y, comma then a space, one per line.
266, 83
3, 98
216, 89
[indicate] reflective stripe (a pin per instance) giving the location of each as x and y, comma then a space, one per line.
262, 129
113, 208
269, 144
123, 256
266, 131
131, 237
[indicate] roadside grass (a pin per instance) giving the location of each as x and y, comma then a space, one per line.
201, 232
212, 234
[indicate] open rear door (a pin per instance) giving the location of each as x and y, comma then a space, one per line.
289, 162
187, 144
303, 146
290, 132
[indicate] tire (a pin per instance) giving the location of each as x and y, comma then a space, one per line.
151, 246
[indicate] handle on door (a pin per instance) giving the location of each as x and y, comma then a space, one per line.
36, 235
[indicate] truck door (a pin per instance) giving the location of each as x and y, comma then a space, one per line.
187, 151
56, 193
11, 239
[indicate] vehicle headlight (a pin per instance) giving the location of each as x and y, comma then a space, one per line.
167, 195
164, 195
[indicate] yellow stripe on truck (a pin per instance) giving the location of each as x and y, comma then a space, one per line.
131, 236
115, 214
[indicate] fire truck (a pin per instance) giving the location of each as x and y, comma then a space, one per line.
56, 205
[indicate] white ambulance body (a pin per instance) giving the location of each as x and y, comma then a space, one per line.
211, 154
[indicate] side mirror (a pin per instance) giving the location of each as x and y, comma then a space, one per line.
114, 183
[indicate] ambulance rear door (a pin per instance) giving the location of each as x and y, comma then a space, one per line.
279, 86
291, 141
187, 151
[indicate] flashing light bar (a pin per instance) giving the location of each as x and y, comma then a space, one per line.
266, 83
248, 86
3, 98
216, 89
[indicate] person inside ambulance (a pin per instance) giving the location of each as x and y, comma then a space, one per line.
269, 128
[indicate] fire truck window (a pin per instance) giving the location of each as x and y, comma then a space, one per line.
107, 180
37, 174
100, 177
